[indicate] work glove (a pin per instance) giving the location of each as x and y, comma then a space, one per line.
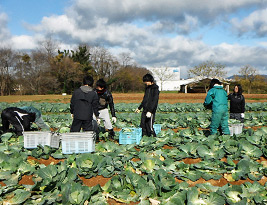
114, 119
98, 121
137, 110
71, 115
148, 114
242, 115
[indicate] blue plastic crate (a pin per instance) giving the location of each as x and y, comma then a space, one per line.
130, 137
157, 128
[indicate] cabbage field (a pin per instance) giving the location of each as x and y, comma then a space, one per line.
182, 165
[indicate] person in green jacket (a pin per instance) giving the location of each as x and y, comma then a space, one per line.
38, 120
217, 99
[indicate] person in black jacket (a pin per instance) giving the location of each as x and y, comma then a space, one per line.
149, 105
237, 104
105, 101
19, 118
84, 102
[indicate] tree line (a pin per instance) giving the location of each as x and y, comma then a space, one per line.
48, 70
247, 76
45, 71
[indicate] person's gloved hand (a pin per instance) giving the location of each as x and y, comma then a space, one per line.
242, 115
98, 121
71, 115
137, 110
148, 114
114, 119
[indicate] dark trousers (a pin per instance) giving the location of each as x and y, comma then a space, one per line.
77, 124
147, 125
237, 116
20, 125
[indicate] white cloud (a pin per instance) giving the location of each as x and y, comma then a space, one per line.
140, 27
4, 32
185, 16
23, 42
263, 43
256, 23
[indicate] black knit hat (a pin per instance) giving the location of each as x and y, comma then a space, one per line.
213, 82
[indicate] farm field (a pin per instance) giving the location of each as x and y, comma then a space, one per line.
130, 98
182, 165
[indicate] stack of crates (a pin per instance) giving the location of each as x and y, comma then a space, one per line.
78, 142
130, 135
32, 139
235, 129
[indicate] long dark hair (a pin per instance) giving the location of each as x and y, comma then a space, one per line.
240, 90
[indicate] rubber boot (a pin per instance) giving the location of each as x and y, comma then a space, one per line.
111, 133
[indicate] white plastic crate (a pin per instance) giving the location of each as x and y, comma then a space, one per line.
78, 142
235, 129
33, 139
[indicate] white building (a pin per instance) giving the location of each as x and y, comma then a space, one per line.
168, 78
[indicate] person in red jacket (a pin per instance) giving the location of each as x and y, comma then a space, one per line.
84, 102
149, 105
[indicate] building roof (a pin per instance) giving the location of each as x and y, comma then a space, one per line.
202, 78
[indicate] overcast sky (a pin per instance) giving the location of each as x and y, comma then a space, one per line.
157, 33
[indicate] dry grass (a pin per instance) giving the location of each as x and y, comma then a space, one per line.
130, 98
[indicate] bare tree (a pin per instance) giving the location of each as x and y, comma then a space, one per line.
208, 69
103, 62
126, 59
7, 62
163, 74
49, 46
248, 73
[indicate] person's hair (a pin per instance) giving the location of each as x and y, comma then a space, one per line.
88, 80
240, 90
213, 82
101, 83
148, 78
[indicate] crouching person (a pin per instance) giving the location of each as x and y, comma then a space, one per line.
149, 105
38, 117
20, 119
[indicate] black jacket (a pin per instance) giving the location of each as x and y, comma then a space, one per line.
237, 103
17, 117
151, 98
84, 102
105, 100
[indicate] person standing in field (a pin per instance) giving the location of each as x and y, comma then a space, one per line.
105, 101
149, 105
83, 104
237, 104
217, 99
